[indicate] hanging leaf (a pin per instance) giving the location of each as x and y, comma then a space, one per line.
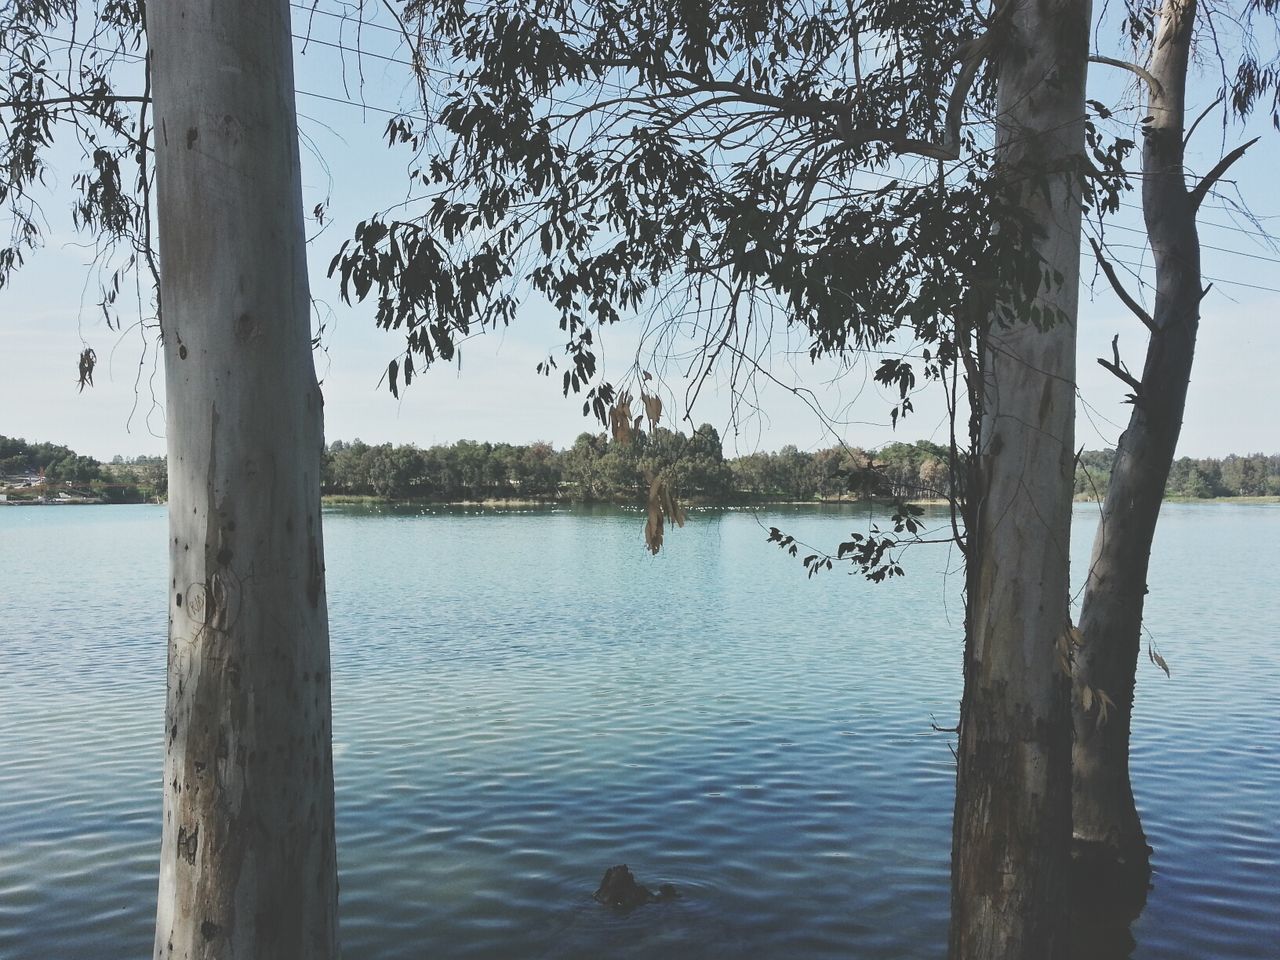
88, 359
653, 526
669, 506
1104, 704
620, 419
652, 409
662, 508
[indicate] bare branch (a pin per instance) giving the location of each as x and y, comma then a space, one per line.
1204, 113
1153, 85
1213, 176
54, 101
1118, 368
1125, 297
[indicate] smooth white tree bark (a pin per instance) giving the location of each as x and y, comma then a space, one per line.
1012, 828
248, 864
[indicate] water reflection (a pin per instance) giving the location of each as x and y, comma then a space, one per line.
1106, 899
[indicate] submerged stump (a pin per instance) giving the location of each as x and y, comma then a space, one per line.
620, 889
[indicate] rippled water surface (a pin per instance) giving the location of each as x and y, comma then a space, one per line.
523, 699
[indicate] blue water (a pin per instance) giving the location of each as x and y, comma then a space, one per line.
524, 699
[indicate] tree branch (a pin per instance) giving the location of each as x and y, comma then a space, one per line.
1120, 370
54, 101
1154, 85
1213, 176
971, 54
1125, 297
1204, 113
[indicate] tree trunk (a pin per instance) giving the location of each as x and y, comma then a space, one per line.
1109, 842
1012, 828
248, 864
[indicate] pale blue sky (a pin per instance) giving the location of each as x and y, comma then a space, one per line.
497, 396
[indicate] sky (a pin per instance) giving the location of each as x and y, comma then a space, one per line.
49, 313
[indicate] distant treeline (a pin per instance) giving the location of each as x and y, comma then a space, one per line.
597, 469
121, 481
1255, 475
19, 458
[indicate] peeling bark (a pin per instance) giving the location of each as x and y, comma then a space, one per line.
1012, 828
248, 863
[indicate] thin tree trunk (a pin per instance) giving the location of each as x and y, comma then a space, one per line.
1012, 828
248, 864
1109, 840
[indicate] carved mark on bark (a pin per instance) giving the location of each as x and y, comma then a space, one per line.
246, 328
192, 136
196, 594
231, 129
188, 843
1046, 401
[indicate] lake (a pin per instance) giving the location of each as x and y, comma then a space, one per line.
522, 699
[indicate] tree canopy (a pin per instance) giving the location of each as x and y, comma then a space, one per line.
709, 167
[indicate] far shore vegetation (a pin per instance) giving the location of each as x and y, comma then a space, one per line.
599, 470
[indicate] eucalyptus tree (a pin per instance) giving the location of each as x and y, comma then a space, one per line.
1012, 826
602, 155
248, 862
1166, 37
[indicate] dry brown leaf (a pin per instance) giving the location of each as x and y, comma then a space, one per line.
652, 409
653, 531
1159, 661
620, 419
653, 526
661, 507
669, 506
1104, 703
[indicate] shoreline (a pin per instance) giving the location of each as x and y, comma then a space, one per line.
336, 500
513, 503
